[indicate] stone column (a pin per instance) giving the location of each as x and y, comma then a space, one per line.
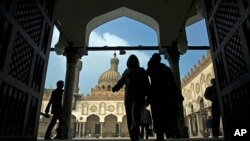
73, 55
101, 127
119, 124
190, 126
83, 129
198, 124
79, 129
173, 55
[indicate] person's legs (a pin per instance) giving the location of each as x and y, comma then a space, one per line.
168, 132
51, 125
216, 126
59, 128
210, 132
159, 136
142, 131
216, 120
128, 108
172, 132
173, 124
158, 117
135, 123
147, 131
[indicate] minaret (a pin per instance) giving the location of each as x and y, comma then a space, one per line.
114, 63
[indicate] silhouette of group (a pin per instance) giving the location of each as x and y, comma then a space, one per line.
164, 99
161, 92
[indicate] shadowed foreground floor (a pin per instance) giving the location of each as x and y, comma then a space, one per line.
153, 139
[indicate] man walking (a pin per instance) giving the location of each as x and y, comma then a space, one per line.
56, 102
212, 95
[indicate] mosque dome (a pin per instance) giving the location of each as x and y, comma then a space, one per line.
112, 75
109, 76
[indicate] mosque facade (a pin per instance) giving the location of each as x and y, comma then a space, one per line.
102, 113
197, 109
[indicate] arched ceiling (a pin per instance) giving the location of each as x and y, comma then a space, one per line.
76, 17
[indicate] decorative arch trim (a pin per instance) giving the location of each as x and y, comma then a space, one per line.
110, 115
120, 12
91, 116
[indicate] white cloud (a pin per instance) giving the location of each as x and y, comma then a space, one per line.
94, 64
97, 62
107, 39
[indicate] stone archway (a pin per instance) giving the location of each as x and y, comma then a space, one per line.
110, 128
202, 114
193, 120
122, 11
92, 124
72, 131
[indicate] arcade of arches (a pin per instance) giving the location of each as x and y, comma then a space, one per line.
26, 28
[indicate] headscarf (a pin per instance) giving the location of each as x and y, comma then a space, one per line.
133, 62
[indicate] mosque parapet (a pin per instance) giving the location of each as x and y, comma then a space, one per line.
196, 69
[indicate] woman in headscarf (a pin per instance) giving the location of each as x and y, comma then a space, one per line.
164, 99
136, 83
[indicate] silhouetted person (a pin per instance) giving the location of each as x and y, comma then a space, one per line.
164, 99
146, 122
56, 102
212, 95
136, 84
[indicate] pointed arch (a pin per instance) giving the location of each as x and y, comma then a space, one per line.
191, 107
200, 102
93, 122
109, 126
120, 12
73, 122
199, 99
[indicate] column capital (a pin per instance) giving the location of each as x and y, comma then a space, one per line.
172, 53
73, 54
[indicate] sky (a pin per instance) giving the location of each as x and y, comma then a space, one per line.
121, 32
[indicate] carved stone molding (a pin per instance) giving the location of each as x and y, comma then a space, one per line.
73, 54
93, 108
